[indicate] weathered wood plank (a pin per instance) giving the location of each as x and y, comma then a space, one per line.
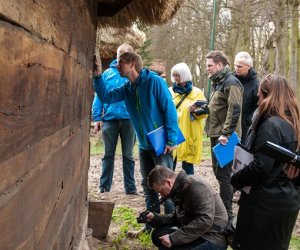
43, 92
68, 25
50, 198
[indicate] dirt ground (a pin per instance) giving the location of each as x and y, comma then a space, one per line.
118, 196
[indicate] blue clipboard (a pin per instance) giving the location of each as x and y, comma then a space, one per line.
158, 139
224, 153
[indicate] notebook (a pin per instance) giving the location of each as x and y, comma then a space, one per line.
224, 153
242, 158
200, 103
158, 139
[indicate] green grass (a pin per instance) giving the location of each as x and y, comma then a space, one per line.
294, 243
125, 219
96, 146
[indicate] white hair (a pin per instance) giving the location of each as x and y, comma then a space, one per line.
244, 57
183, 71
122, 49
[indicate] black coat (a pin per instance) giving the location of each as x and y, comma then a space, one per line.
268, 213
250, 99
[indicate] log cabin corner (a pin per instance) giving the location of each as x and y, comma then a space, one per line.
46, 93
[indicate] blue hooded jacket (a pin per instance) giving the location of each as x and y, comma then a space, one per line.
148, 102
110, 111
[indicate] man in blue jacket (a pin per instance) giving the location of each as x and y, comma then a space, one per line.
150, 106
114, 120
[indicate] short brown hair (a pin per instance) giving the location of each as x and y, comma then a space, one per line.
131, 57
218, 56
159, 174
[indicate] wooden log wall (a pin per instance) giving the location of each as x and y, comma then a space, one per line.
46, 52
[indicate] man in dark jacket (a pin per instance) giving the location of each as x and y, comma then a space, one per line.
225, 107
244, 71
199, 214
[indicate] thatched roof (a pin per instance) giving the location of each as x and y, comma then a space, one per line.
149, 12
109, 39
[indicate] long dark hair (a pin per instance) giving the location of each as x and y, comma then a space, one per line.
280, 100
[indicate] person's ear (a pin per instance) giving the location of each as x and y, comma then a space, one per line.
169, 182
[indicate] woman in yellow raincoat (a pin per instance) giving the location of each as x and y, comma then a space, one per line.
189, 117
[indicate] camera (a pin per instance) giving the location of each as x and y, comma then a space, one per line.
142, 218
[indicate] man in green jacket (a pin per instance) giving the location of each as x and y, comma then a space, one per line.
200, 212
225, 108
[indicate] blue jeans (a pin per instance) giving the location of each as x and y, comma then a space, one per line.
148, 160
197, 244
110, 133
186, 166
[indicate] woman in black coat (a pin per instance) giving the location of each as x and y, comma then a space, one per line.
267, 214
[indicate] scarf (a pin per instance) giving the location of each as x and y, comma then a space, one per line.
219, 75
251, 134
182, 90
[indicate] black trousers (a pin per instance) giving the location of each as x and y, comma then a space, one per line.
223, 176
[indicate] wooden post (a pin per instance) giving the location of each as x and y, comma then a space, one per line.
99, 218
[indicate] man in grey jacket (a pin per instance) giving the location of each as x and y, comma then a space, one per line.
199, 214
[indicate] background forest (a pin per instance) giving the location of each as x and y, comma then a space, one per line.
267, 29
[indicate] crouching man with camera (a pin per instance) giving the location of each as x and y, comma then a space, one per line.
199, 214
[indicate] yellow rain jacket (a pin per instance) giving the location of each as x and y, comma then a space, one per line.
190, 150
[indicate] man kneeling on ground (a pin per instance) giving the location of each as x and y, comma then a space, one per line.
199, 214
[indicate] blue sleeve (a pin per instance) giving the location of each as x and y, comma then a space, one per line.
164, 99
112, 96
97, 109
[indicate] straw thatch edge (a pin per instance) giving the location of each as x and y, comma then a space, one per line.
109, 39
148, 12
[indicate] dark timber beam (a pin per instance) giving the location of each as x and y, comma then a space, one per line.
110, 7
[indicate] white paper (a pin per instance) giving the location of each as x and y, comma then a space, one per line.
241, 159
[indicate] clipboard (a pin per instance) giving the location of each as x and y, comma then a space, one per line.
158, 139
279, 153
224, 153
